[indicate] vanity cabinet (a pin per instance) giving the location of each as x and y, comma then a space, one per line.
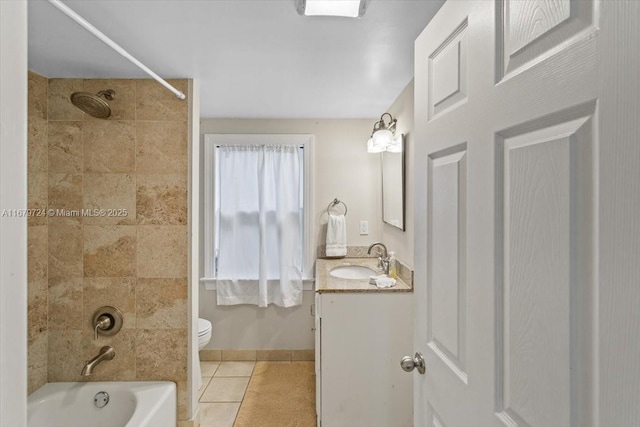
360, 338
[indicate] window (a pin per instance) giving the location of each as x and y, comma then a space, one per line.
232, 243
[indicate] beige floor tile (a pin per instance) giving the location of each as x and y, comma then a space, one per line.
218, 414
203, 387
235, 369
225, 390
207, 369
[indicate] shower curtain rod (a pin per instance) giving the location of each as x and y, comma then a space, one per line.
113, 45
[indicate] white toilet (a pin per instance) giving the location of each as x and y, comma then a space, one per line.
204, 333
204, 336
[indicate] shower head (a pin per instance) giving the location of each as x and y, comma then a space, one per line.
93, 104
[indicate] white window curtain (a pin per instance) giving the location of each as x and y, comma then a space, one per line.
260, 221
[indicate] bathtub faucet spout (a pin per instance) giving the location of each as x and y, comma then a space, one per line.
106, 353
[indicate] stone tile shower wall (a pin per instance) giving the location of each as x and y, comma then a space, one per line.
134, 161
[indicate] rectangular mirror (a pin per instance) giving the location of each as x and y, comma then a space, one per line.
393, 192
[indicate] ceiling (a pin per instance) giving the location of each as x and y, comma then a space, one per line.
253, 59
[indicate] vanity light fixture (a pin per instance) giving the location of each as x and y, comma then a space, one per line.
344, 8
396, 145
383, 135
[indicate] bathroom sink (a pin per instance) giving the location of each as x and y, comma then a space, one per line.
352, 272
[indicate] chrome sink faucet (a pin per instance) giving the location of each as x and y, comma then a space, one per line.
383, 259
106, 353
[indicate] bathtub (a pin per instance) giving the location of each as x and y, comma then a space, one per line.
130, 404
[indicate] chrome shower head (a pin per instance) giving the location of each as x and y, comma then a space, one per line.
93, 104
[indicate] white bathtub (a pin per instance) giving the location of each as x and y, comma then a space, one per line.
131, 404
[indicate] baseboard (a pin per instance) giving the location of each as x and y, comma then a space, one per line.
217, 355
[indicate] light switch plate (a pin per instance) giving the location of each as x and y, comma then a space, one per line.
364, 228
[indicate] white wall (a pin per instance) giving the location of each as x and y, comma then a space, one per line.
343, 169
13, 231
394, 238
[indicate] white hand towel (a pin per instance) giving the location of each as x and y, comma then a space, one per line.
382, 281
336, 236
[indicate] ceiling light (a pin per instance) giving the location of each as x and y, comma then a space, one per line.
346, 8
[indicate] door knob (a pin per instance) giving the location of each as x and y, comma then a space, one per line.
409, 363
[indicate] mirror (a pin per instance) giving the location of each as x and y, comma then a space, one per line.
393, 185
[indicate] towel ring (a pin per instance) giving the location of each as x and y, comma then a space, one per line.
335, 202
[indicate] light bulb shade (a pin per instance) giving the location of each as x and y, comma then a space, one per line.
382, 138
396, 145
372, 149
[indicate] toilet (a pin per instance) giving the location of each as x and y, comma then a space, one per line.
204, 333
204, 336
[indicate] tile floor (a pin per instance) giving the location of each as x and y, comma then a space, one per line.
222, 391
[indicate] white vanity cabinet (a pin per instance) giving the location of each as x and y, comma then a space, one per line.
360, 338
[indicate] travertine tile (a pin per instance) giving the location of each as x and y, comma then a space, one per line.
114, 194
123, 366
162, 251
65, 147
303, 355
235, 369
161, 303
66, 355
60, 106
218, 414
65, 250
275, 355
37, 259
154, 102
118, 292
161, 199
38, 155
37, 96
245, 355
208, 369
65, 197
192, 422
123, 104
183, 397
109, 146
37, 361
65, 303
161, 147
161, 354
109, 250
37, 322
210, 355
37, 198
225, 389
203, 387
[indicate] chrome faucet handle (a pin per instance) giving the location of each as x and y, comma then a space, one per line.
103, 322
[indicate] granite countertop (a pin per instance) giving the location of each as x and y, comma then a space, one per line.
325, 282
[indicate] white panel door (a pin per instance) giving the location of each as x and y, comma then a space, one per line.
527, 278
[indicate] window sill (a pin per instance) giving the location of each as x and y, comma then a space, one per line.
307, 284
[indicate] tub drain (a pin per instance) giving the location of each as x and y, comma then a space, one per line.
101, 399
